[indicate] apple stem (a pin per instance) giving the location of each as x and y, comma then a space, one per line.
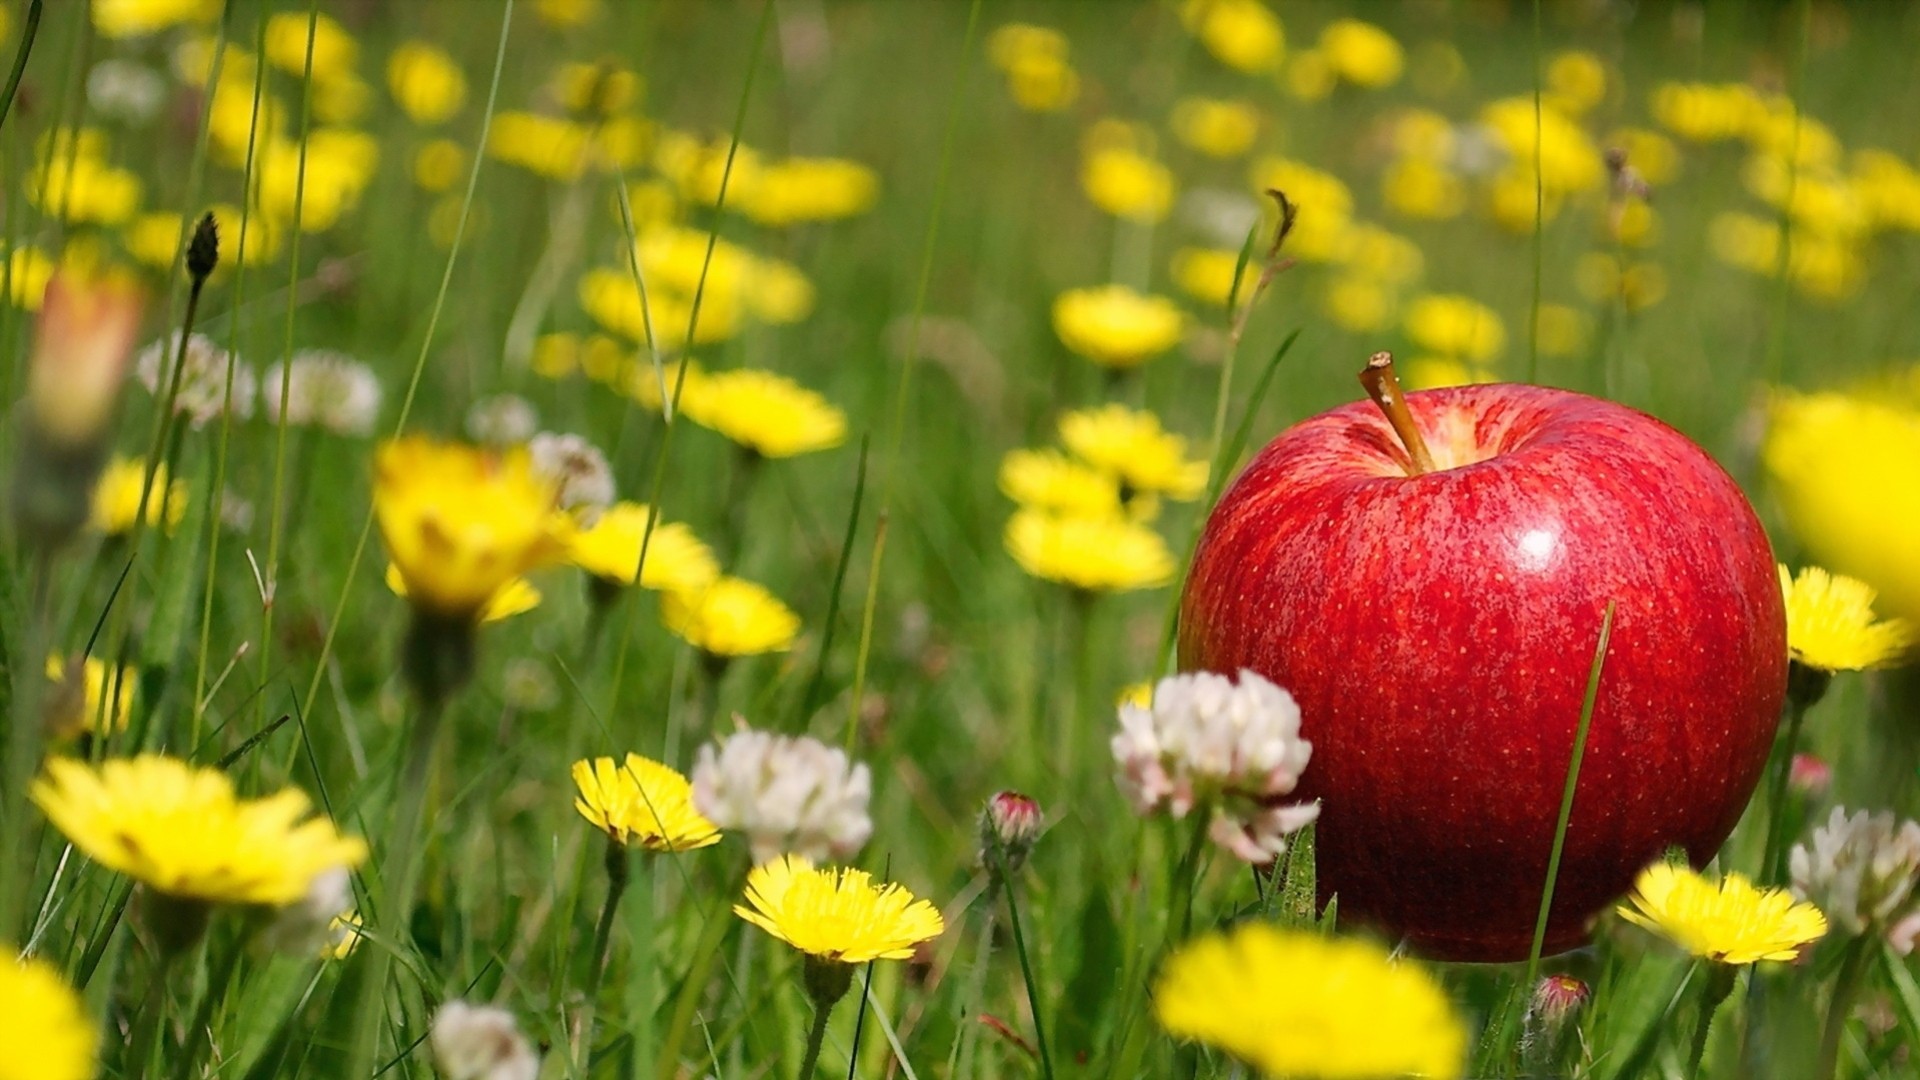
1383, 386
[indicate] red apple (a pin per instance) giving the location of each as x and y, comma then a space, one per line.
1438, 629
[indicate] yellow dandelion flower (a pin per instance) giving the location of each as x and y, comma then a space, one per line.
1127, 183
1243, 34
731, 617
1434, 372
516, 597
83, 189
180, 830
439, 165
43, 1024
1049, 480
1011, 42
811, 189
138, 18
1706, 112
461, 523
1454, 325
598, 89
1206, 274
1361, 53
154, 239
566, 14
609, 549
1217, 128
1569, 160
1423, 189
1652, 155
334, 49
641, 803
1563, 330
1040, 83
1136, 449
1296, 1003
1729, 921
1116, 327
644, 385
1576, 81
339, 163
1321, 235
778, 292
77, 692
426, 82
1846, 471
769, 414
1358, 303
29, 269
116, 496
611, 299
1096, 554
1604, 279
544, 145
838, 915
1831, 625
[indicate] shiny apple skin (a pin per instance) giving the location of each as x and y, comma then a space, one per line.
1438, 631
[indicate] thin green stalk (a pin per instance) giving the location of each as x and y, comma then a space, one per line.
960, 1061
866, 629
816, 1037
618, 868
699, 970
1539, 205
1071, 723
1182, 883
1774, 851
148, 1031
1012, 890
24, 747
1840, 1007
640, 1006
199, 1032
810, 699
1783, 264
28, 31
1719, 986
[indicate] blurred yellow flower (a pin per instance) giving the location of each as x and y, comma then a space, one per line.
154, 239
731, 617
1831, 625
1206, 274
341, 99
1569, 161
1455, 325
324, 184
1562, 330
237, 122
1384, 256
1729, 921
838, 915
180, 830
1139, 695
334, 49
600, 89
1298, 1003
1888, 188
343, 936
609, 549
1706, 112
1603, 279
1576, 81
1309, 77
769, 414
547, 146
516, 597
696, 167
1049, 480
80, 188
611, 299
43, 1023
426, 82
1096, 554
1127, 184
1518, 203
1320, 232
1221, 128
461, 523
641, 803
1635, 224
28, 269
1034, 59
1358, 303
1242, 34
1361, 53
82, 707
1422, 189
566, 14
1649, 153
116, 496
811, 189
1116, 327
439, 165
138, 18
1434, 372
1843, 469
1136, 449
778, 293
644, 385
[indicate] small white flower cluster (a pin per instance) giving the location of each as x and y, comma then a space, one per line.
1860, 869
1231, 750
481, 1042
502, 420
578, 468
787, 794
324, 389
203, 378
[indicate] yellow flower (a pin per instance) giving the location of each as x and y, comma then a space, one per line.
1217, 128
1042, 83
545, 145
1434, 372
1568, 159
837, 914
731, 617
1517, 204
43, 1024
1319, 235
811, 189
439, 165
1454, 325
154, 239
769, 414
778, 293
1576, 81
1296, 1003
1729, 921
426, 82
116, 496
1097, 554
1563, 330
1603, 279
601, 89
83, 189
1242, 34
516, 597
610, 550
1011, 42
138, 18
1206, 274
1127, 183
339, 164
1358, 303
1308, 76
1651, 154
461, 523
1361, 53
334, 50
1422, 189
1636, 225
1845, 469
1049, 480
1706, 112
343, 936
29, 269
565, 14
641, 803
1115, 326
1387, 257
611, 298
180, 830
1136, 449
81, 708
1831, 625
643, 384
1139, 695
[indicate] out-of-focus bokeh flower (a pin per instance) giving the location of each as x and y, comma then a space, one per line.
1206, 274
116, 497
1093, 554
1243, 34
77, 691
1221, 128
426, 82
480, 1042
1456, 326
800, 190
1361, 54
786, 794
139, 18
1859, 869
1133, 447
1127, 183
1051, 481
609, 549
45, 1025
767, 413
1115, 326
730, 617
323, 389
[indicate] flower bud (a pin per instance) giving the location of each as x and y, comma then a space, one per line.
1809, 775
1556, 999
481, 1042
1010, 823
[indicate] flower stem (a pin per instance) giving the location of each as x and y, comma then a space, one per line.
1182, 884
816, 1036
1383, 386
1774, 852
618, 872
1845, 985
1719, 985
1012, 890
971, 1005
149, 1029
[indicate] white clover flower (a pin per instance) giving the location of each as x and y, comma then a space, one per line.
1229, 750
309, 926
788, 794
1860, 870
324, 389
203, 378
502, 420
578, 467
125, 90
481, 1042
